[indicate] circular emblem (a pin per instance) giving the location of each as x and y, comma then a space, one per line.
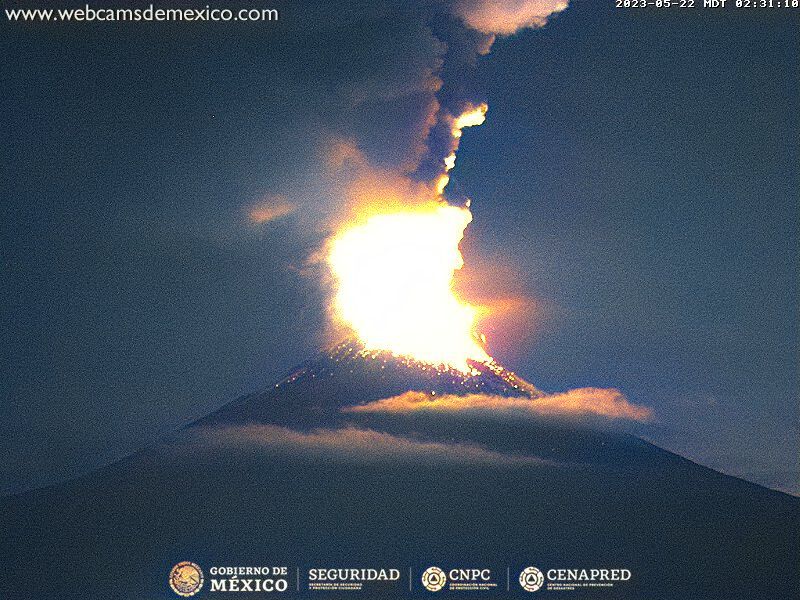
531, 579
186, 579
433, 579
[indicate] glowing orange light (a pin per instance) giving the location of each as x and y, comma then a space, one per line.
441, 183
475, 115
394, 278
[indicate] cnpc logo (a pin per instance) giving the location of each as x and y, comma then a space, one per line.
435, 579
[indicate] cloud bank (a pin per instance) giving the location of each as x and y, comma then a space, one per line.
582, 402
356, 444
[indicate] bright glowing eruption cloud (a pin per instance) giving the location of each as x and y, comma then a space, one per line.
394, 277
472, 116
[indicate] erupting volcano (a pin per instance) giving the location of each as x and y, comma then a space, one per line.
394, 273
348, 460
394, 285
405, 444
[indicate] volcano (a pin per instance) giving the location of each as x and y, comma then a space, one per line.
348, 374
291, 476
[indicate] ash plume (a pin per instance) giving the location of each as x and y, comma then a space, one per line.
478, 23
506, 17
395, 110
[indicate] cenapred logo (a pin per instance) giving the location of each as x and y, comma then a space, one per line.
434, 579
186, 579
531, 579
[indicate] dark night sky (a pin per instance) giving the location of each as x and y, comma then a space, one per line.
638, 170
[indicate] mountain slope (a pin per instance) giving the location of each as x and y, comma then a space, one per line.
284, 476
347, 374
